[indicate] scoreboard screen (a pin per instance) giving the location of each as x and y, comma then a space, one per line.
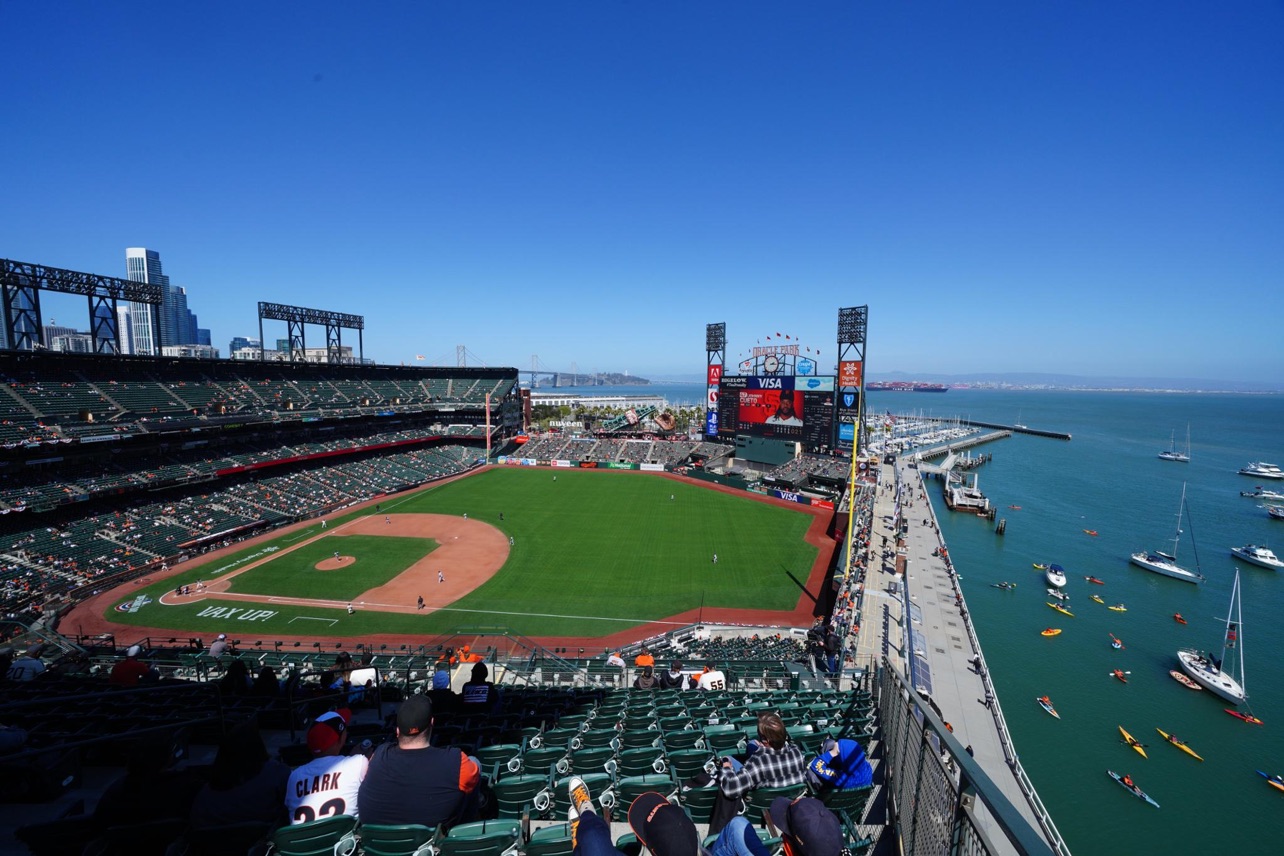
784, 408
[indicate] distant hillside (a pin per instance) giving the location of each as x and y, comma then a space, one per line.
599, 379
1039, 380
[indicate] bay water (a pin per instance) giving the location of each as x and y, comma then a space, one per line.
1108, 479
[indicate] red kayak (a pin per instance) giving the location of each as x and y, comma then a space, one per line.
1095, 580
1244, 716
1119, 673
1177, 617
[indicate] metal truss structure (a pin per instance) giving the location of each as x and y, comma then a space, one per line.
22, 282
296, 317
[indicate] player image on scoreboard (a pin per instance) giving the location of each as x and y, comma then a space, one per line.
771, 412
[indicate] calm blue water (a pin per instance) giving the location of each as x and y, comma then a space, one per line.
1108, 478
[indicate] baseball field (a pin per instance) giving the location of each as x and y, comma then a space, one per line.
550, 554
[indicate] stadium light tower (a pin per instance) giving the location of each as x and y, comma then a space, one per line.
850, 398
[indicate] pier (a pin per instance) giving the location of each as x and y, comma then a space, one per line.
915, 615
1009, 429
960, 445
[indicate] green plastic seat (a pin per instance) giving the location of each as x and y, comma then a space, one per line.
760, 799
630, 788
514, 793
538, 760
699, 802
849, 800
640, 762
396, 839
329, 836
685, 763
595, 738
591, 760
682, 740
639, 739
725, 738
550, 841
483, 838
499, 753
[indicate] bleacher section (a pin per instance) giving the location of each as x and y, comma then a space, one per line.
622, 742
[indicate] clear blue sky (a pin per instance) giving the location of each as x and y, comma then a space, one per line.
1090, 188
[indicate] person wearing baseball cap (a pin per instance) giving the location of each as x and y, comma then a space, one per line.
330, 783
413, 781
807, 827
666, 830
130, 672
219, 647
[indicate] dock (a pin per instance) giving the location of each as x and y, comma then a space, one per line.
916, 615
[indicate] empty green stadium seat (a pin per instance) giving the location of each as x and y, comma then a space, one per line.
403, 839
514, 793
330, 836
484, 838
630, 788
550, 841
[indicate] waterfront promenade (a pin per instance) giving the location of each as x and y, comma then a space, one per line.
910, 586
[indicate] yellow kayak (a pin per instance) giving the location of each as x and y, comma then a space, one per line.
1179, 744
1061, 609
1097, 599
1131, 742
1119, 607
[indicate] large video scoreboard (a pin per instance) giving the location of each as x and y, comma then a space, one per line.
796, 408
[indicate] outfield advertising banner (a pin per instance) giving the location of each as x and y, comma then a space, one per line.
562, 464
814, 384
790, 496
652, 468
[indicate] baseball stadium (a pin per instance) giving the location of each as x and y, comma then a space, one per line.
189, 547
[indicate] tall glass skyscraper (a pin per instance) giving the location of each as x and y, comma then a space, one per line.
143, 265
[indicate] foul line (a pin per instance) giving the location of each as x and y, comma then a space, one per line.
332, 621
396, 608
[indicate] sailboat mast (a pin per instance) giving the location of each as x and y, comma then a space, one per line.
1180, 509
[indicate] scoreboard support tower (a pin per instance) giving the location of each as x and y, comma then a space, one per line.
849, 421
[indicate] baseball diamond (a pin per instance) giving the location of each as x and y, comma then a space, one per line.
592, 556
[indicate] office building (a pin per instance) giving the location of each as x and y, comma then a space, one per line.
144, 265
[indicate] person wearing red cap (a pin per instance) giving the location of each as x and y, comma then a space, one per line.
329, 784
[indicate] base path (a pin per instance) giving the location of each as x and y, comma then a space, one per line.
470, 553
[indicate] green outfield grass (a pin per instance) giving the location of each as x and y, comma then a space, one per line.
594, 553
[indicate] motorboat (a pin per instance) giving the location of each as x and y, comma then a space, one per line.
1275, 511
1056, 576
1209, 672
1166, 563
1264, 494
1263, 557
1262, 470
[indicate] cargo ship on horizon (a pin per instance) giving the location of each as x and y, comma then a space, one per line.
905, 386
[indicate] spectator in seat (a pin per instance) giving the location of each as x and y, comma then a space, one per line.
478, 693
219, 646
644, 659
673, 679
712, 678
771, 762
330, 783
414, 782
442, 696
645, 679
245, 785
130, 672
29, 666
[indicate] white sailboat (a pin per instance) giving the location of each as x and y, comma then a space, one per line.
1166, 563
1172, 454
1212, 674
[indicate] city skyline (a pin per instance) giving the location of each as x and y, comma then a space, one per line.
1089, 190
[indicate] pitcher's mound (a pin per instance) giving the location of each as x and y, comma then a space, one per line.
335, 564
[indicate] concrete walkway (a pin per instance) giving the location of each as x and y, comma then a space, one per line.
908, 575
